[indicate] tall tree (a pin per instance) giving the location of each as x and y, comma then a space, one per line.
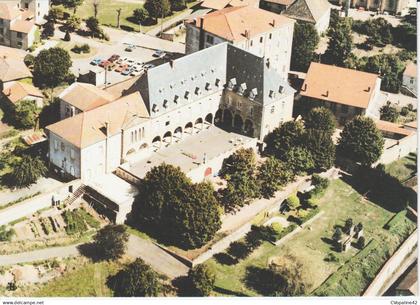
73, 23
340, 44
157, 8
174, 209
92, 24
272, 175
322, 119
299, 160
140, 15
118, 17
136, 280
361, 141
74, 4
110, 241
52, 67
26, 114
283, 138
48, 29
202, 280
305, 41
27, 171
390, 67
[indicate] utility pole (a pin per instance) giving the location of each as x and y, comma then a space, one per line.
347, 7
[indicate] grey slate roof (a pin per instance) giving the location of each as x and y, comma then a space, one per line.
307, 10
192, 77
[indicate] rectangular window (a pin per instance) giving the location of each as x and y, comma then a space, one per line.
62, 146
270, 36
209, 39
19, 35
261, 39
167, 123
72, 154
56, 145
26, 5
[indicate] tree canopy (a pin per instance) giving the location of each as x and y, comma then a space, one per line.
51, 67
305, 41
26, 114
272, 175
322, 119
136, 280
140, 15
27, 171
175, 210
340, 44
110, 241
202, 280
389, 113
158, 8
361, 141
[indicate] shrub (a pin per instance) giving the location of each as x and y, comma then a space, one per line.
309, 214
293, 201
29, 60
320, 183
253, 238
6, 235
202, 280
239, 249
331, 257
277, 227
84, 48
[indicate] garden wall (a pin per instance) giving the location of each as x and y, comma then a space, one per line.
376, 288
401, 149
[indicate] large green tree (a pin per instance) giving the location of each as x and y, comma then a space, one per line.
361, 141
389, 113
26, 114
283, 138
51, 67
322, 119
305, 41
175, 210
340, 43
140, 15
110, 242
158, 8
73, 23
202, 280
73, 4
299, 160
272, 175
27, 171
136, 280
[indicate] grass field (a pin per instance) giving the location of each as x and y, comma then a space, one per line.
310, 246
88, 280
403, 168
107, 13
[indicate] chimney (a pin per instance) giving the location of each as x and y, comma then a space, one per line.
305, 86
171, 63
368, 89
326, 94
274, 23
107, 128
201, 39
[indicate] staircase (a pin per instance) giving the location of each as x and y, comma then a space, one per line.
76, 194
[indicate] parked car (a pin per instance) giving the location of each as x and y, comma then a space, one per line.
130, 48
96, 61
121, 68
127, 71
114, 57
159, 53
136, 72
110, 66
103, 63
148, 66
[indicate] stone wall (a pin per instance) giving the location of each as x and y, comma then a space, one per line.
401, 149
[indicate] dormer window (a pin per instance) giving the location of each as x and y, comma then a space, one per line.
217, 82
176, 99
271, 94
197, 91
242, 88
253, 94
187, 95
208, 86
165, 103
231, 83
155, 108
281, 89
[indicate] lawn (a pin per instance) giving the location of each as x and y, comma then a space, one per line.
88, 280
310, 246
404, 168
68, 46
107, 13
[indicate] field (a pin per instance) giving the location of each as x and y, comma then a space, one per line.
404, 168
311, 245
107, 13
87, 280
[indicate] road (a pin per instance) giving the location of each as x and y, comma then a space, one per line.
157, 258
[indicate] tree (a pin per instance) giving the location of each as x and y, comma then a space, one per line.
390, 67
340, 44
67, 36
283, 138
202, 279
239, 250
72, 4
140, 15
55, 13
48, 29
272, 175
110, 241
299, 160
26, 114
322, 119
389, 113
321, 147
51, 67
95, 4
242, 162
136, 280
177, 5
361, 141
175, 210
118, 17
157, 8
305, 41
27, 171
73, 23
361, 242
29, 60
293, 201
93, 25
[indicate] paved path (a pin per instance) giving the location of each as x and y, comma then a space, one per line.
38, 255
155, 31
136, 247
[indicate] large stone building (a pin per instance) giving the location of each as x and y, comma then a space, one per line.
391, 6
18, 21
257, 31
346, 92
221, 85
